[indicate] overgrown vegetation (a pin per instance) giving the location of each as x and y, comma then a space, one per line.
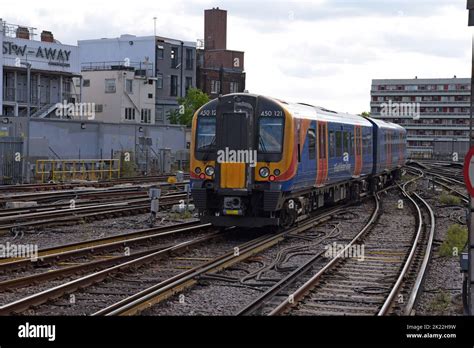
446, 198
181, 216
188, 105
455, 241
127, 168
441, 302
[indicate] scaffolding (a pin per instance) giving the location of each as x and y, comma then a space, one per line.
77, 169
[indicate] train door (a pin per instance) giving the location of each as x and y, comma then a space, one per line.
322, 154
232, 137
358, 150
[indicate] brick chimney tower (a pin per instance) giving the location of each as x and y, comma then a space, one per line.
215, 29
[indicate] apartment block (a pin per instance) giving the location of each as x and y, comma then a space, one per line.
435, 113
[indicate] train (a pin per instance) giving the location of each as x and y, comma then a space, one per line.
257, 161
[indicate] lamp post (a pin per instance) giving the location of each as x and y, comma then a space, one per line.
470, 278
26, 161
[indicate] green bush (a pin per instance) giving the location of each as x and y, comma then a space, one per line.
448, 199
441, 302
456, 238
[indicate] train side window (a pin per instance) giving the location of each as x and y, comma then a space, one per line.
338, 143
347, 142
322, 142
332, 144
311, 144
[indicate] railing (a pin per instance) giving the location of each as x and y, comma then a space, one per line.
77, 169
425, 114
421, 102
399, 91
115, 65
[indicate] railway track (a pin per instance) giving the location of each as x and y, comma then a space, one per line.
137, 301
73, 185
78, 258
68, 215
393, 270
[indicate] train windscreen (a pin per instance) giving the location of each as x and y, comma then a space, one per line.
270, 134
206, 133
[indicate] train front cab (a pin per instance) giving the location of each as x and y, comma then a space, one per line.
236, 191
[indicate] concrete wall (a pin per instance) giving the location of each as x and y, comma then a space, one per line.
1, 66
130, 47
68, 140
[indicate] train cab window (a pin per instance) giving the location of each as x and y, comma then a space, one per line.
270, 136
338, 143
311, 144
206, 133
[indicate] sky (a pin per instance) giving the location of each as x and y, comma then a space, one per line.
321, 52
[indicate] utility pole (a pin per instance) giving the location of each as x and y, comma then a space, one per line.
154, 26
26, 159
470, 251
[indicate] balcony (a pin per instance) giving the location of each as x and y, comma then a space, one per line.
435, 126
435, 92
422, 102
427, 115
431, 137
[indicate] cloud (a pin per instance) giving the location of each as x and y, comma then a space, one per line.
323, 52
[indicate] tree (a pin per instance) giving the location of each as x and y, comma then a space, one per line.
365, 114
188, 105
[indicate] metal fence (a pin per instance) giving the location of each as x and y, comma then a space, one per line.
77, 169
10, 160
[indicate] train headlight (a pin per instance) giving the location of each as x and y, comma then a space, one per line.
264, 172
197, 170
209, 171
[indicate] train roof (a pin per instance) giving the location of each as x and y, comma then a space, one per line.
306, 111
387, 125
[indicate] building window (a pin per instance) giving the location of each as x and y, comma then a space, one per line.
159, 81
150, 95
109, 85
215, 86
189, 59
98, 108
234, 87
129, 86
189, 83
174, 57
146, 116
129, 114
86, 83
159, 113
174, 86
160, 52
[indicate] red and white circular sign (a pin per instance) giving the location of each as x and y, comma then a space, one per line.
469, 171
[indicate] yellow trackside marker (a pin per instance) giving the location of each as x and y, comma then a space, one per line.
232, 175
